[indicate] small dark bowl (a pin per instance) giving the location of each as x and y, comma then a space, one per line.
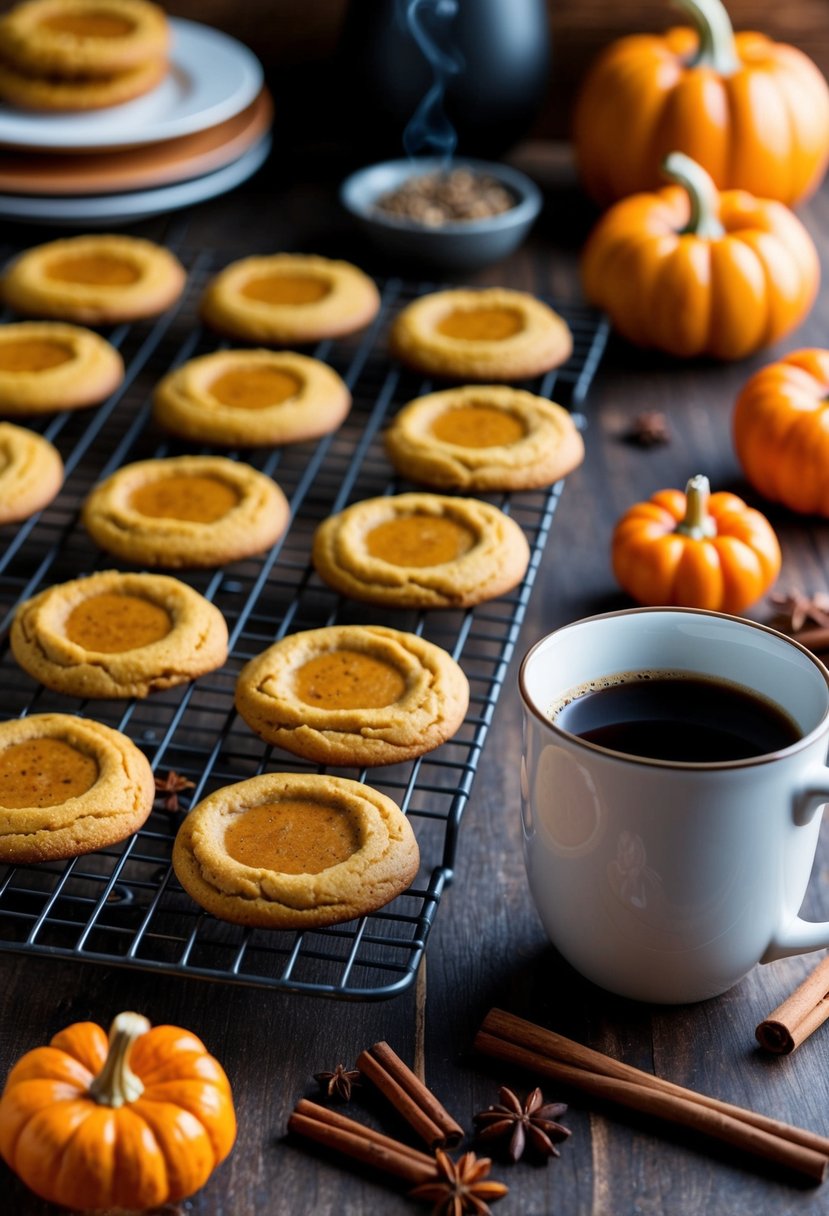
462, 245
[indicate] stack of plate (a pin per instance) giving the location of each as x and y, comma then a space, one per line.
201, 132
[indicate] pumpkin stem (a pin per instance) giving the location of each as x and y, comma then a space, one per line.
697, 524
116, 1083
716, 36
703, 195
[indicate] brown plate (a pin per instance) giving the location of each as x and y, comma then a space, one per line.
172, 160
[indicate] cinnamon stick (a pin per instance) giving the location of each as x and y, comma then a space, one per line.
799, 1016
554, 1056
816, 639
409, 1096
354, 1140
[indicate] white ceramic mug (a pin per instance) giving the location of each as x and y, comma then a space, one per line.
667, 881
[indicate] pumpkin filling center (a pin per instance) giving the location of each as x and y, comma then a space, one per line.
419, 540
292, 836
88, 23
33, 355
94, 270
478, 426
287, 289
112, 623
44, 772
481, 324
199, 500
348, 679
254, 388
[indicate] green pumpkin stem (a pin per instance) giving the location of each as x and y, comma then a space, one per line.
703, 195
116, 1083
697, 524
716, 36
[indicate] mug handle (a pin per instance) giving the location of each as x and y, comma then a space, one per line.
798, 936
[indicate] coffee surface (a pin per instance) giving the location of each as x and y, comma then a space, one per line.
684, 718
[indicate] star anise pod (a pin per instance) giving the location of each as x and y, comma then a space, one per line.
339, 1083
800, 609
170, 787
533, 1122
649, 429
460, 1187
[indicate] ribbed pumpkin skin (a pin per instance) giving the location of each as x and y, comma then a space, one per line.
155, 1150
724, 573
689, 295
781, 431
763, 128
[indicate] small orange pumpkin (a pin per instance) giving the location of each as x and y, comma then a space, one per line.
694, 272
695, 550
135, 1122
753, 112
781, 431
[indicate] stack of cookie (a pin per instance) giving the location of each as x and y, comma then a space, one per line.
81, 54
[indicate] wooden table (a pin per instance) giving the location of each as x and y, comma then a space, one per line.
487, 946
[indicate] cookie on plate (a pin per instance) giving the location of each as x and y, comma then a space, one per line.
88, 38
50, 94
287, 299
353, 694
483, 438
96, 280
421, 551
295, 851
118, 635
492, 334
67, 786
250, 398
186, 511
47, 366
31, 472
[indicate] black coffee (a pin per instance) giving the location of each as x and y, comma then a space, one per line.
673, 717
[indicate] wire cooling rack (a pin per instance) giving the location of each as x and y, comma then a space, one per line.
123, 906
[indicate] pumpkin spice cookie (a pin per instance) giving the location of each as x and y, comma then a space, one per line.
484, 438
353, 694
97, 280
20, 88
47, 366
31, 472
71, 38
250, 398
421, 551
295, 851
288, 299
186, 511
118, 635
493, 334
67, 786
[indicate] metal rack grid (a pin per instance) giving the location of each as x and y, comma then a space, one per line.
123, 906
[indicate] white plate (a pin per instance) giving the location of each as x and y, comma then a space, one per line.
99, 210
212, 77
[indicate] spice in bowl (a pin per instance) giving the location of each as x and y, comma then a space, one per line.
447, 197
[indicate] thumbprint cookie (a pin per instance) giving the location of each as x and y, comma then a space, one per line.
86, 38
494, 334
421, 551
287, 299
186, 511
31, 472
353, 694
47, 366
295, 851
118, 635
67, 786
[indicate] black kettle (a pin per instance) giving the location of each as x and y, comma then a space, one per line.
471, 74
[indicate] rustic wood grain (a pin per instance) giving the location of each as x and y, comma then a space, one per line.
487, 946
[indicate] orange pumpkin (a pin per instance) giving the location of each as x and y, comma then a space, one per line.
753, 112
135, 1122
694, 272
781, 431
695, 550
